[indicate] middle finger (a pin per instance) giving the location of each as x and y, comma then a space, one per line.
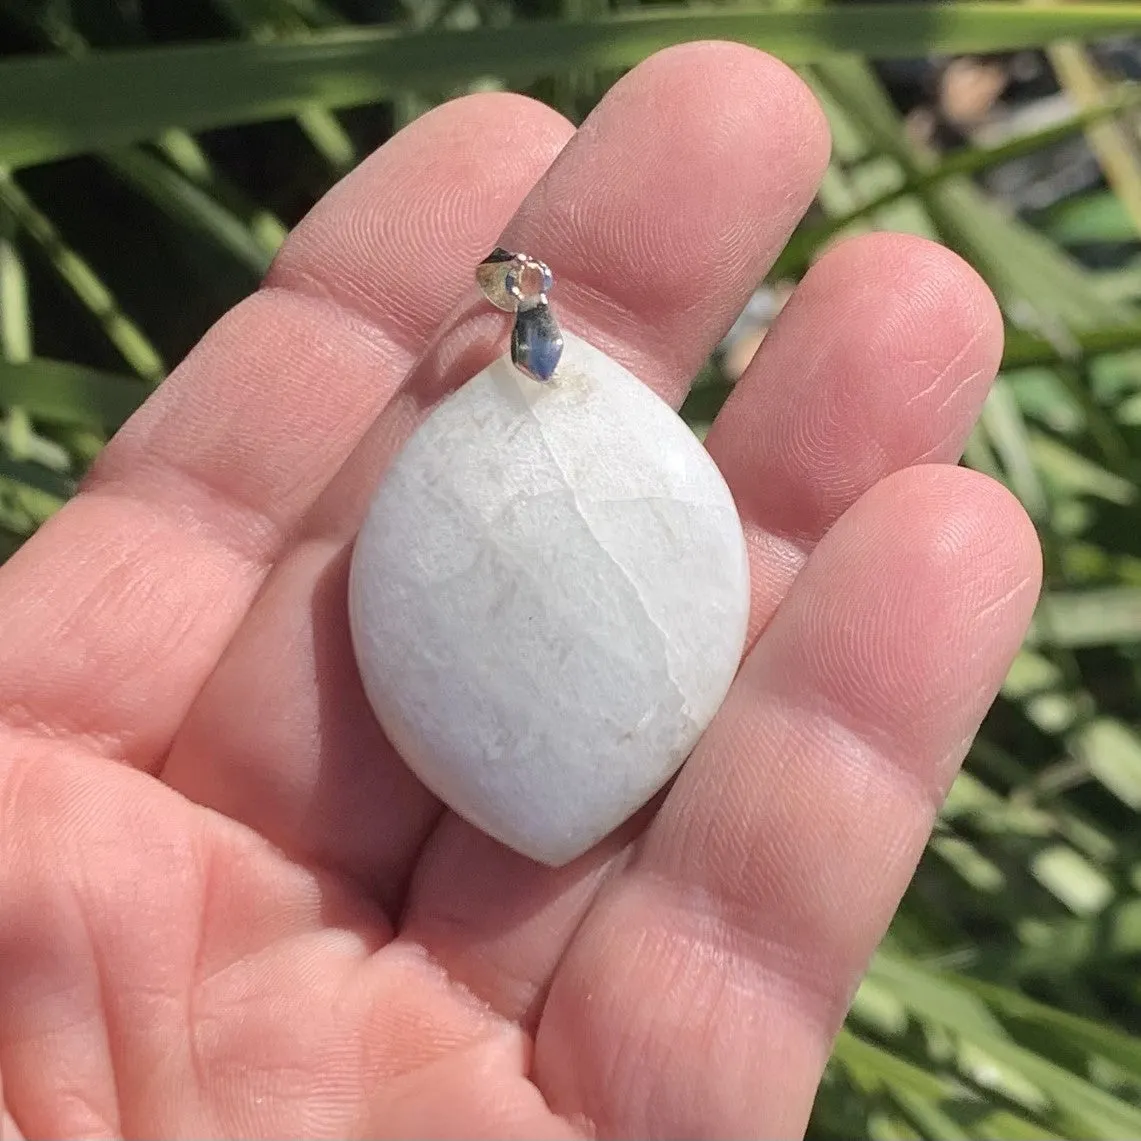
658, 219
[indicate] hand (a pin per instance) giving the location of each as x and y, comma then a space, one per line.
226, 908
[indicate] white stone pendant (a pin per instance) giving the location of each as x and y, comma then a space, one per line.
548, 600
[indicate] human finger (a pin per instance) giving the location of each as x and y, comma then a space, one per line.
657, 228
117, 611
705, 987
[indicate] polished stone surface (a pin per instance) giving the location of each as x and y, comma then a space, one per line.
548, 600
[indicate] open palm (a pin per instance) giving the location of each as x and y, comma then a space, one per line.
226, 907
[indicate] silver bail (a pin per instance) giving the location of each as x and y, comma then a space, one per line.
519, 284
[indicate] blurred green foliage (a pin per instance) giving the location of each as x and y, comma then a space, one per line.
144, 192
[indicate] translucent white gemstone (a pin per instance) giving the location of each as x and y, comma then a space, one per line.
548, 600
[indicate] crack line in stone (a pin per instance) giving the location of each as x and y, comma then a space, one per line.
579, 507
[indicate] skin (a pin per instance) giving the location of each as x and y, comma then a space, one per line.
226, 908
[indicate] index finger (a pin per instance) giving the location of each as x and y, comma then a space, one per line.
118, 610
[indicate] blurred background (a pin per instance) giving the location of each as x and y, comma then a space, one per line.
143, 192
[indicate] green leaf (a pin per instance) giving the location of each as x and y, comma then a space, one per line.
1080, 1107
1067, 947
1122, 1049
930, 995
64, 393
1112, 750
88, 288
1072, 878
266, 21
870, 1066
10, 541
1002, 1125
1068, 470
1023, 350
1112, 142
935, 1123
1104, 617
980, 873
1007, 432
53, 487
179, 197
795, 257
22, 442
15, 315
56, 107
1038, 285
1097, 216
209, 202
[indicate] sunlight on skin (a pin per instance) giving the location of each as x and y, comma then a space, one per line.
226, 908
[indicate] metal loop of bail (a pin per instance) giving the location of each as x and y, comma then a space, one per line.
519, 284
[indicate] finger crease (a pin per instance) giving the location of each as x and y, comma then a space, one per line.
738, 929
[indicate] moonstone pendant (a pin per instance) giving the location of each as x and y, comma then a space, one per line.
548, 599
